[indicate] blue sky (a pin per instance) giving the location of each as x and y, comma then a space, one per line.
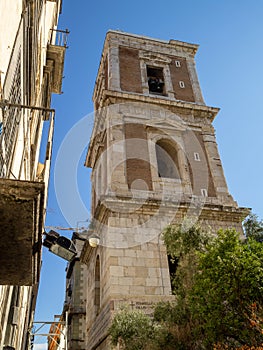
230, 70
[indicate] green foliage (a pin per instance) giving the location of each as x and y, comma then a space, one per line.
253, 228
229, 282
175, 318
184, 239
132, 329
218, 285
183, 242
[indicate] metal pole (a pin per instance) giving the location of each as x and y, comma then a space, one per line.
6, 103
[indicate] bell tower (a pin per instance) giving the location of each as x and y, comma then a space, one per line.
154, 161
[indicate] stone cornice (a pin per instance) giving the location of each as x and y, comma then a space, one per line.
177, 44
112, 97
209, 210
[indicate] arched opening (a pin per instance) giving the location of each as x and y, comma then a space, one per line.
97, 285
167, 160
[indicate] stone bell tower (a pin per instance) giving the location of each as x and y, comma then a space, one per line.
154, 161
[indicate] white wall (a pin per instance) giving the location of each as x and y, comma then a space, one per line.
10, 11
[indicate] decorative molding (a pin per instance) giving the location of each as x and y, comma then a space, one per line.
154, 57
168, 125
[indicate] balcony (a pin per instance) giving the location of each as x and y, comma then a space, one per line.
55, 58
21, 224
77, 309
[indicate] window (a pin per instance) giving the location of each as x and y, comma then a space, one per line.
196, 156
203, 192
172, 264
155, 80
97, 286
167, 160
181, 84
177, 63
12, 120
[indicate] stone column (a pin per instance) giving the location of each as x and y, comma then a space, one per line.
114, 68
195, 83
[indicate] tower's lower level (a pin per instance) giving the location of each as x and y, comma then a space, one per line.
131, 265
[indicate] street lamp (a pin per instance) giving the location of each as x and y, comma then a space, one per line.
60, 245
65, 247
93, 238
94, 241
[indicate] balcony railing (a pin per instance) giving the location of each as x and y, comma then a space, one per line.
59, 37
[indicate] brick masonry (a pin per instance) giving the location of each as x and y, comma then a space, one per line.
178, 74
137, 156
130, 72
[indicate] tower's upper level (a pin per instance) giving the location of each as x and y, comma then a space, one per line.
138, 65
153, 136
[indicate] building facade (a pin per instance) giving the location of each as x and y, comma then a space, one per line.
154, 161
75, 298
32, 53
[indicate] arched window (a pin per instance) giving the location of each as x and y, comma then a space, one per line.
97, 285
167, 160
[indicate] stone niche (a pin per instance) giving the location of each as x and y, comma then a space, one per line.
21, 224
